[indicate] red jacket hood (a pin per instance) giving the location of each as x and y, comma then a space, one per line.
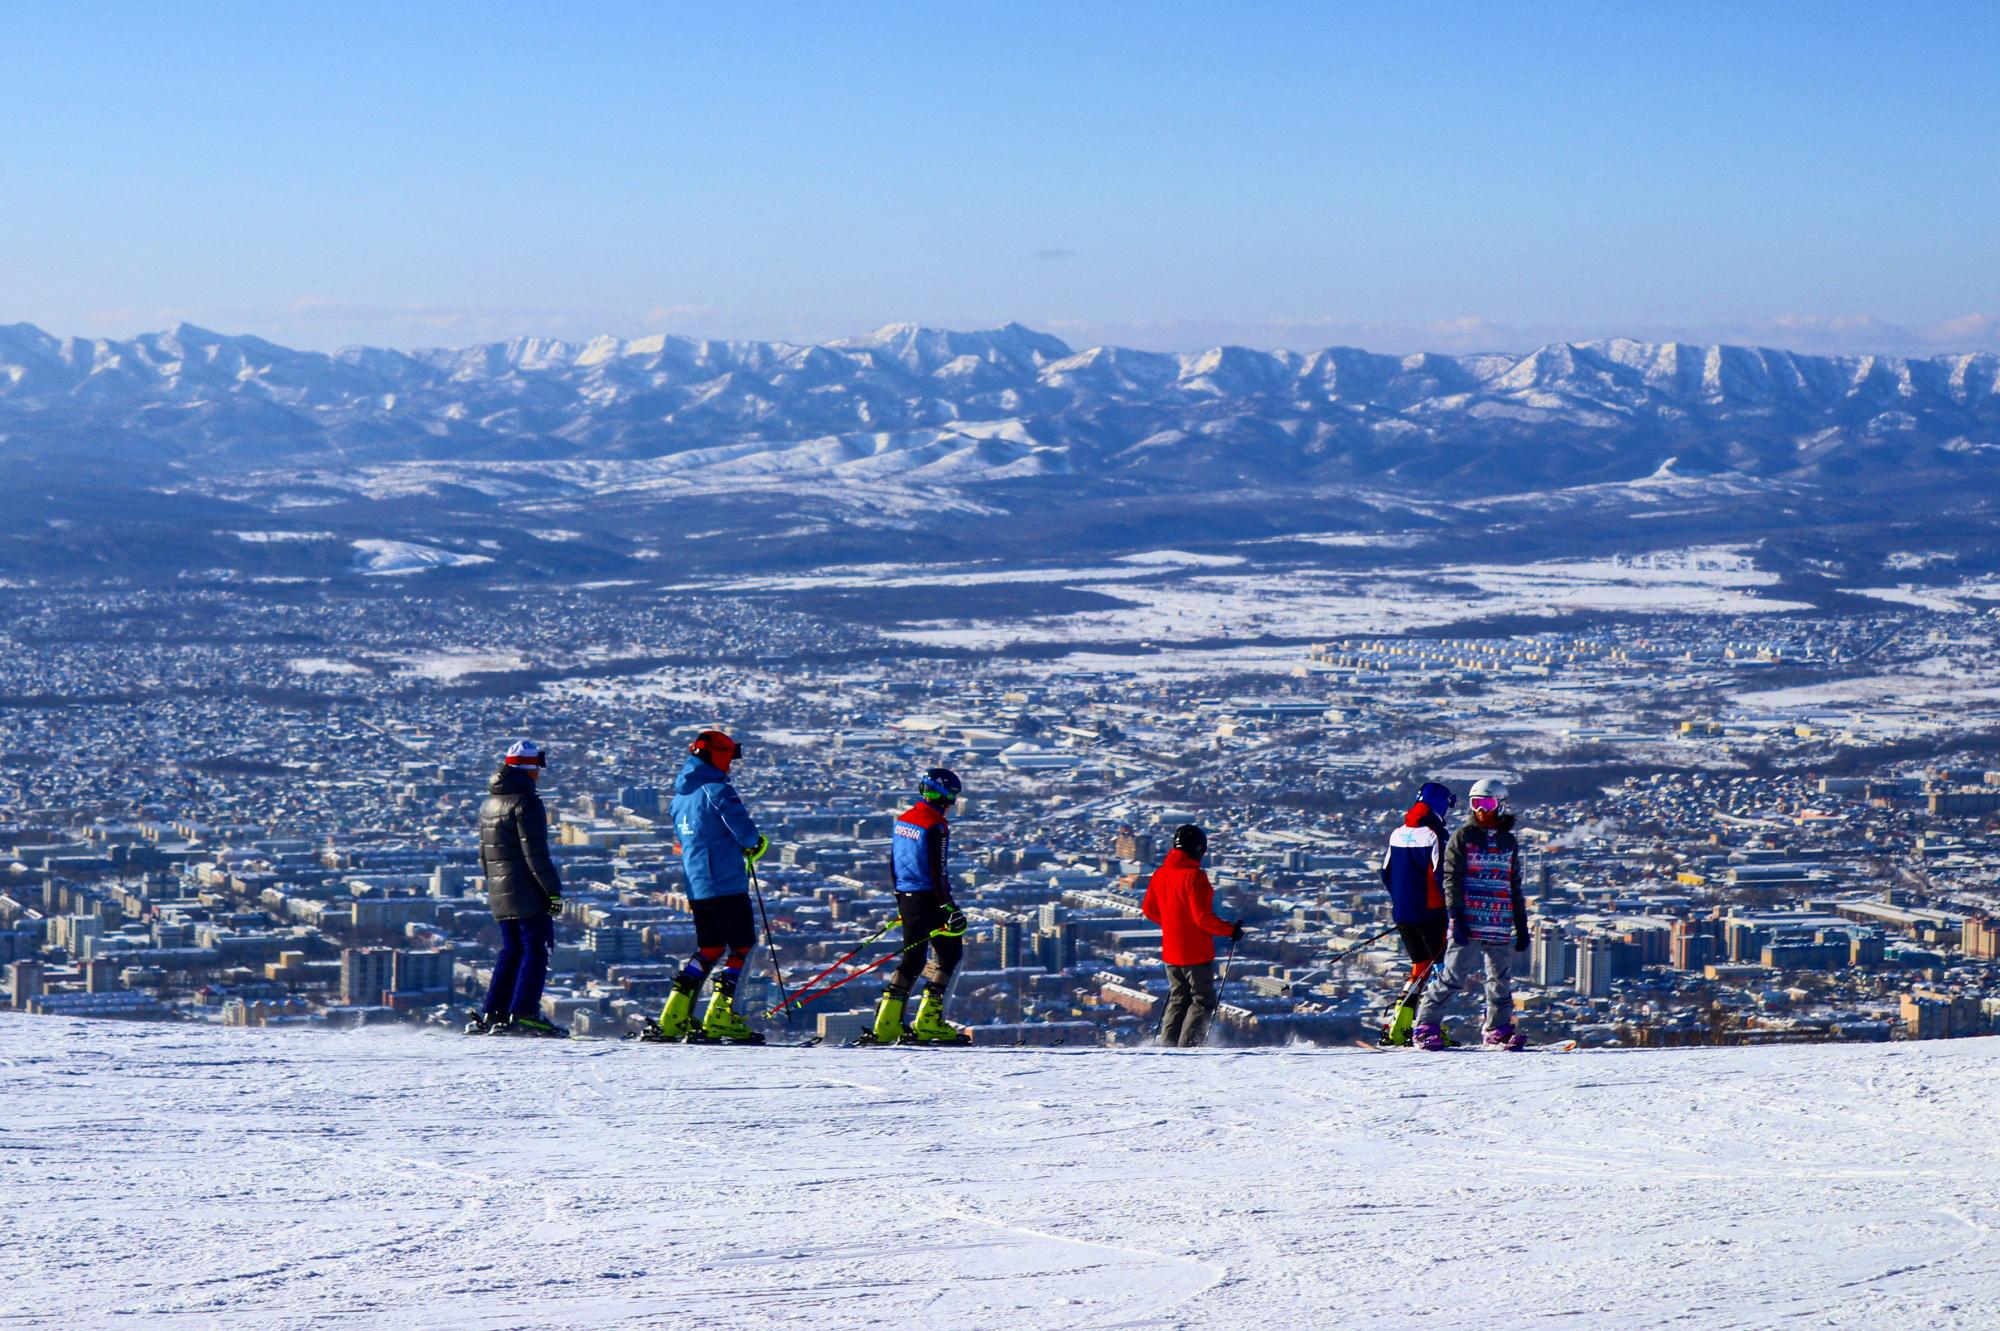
1417, 814
1179, 859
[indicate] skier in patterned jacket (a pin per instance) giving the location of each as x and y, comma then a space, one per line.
1489, 919
1413, 871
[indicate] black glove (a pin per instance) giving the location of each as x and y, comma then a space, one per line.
1236, 932
1460, 934
555, 903
1520, 940
955, 923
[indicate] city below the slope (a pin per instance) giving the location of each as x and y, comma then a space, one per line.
1740, 826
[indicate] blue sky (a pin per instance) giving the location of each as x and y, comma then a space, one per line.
1450, 176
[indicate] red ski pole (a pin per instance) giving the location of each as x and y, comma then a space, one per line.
802, 997
840, 961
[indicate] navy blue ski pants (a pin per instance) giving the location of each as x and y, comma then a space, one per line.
522, 967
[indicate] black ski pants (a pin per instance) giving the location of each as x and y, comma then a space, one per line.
1425, 944
923, 912
1191, 1002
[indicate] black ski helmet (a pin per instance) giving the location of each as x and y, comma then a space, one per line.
1191, 841
940, 785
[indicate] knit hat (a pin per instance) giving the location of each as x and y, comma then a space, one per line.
527, 753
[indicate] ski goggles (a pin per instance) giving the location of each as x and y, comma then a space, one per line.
1485, 804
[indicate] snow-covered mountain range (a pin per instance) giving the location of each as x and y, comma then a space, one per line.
942, 406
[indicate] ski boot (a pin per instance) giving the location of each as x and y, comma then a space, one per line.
676, 1016
1506, 1037
531, 1027
484, 1023
930, 1027
1428, 1036
1397, 1033
721, 1024
888, 1027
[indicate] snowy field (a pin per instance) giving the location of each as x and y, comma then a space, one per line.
164, 1176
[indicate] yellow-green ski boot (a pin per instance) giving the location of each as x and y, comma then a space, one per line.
1397, 1032
930, 1027
721, 1023
888, 1028
677, 1017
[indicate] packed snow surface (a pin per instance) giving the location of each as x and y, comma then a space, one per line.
173, 1176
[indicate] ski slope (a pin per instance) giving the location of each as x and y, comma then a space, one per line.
168, 1176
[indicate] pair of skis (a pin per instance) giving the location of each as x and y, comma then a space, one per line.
1552, 1047
650, 1035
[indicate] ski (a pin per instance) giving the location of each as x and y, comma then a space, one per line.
866, 1042
646, 1037
509, 1033
1552, 1047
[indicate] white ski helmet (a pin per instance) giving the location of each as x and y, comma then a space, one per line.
1490, 788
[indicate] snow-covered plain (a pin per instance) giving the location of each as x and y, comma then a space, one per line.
166, 1176
1330, 603
395, 559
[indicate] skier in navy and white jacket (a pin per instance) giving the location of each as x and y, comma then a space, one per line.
1413, 871
1489, 919
933, 925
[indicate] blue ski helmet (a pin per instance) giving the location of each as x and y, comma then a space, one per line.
1439, 797
940, 785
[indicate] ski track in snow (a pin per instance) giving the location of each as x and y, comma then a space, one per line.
184, 1177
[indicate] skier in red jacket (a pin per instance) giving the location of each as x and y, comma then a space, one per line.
1180, 900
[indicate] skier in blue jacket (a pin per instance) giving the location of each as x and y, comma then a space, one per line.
933, 925
719, 842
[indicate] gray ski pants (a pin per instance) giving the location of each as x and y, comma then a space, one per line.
1190, 1003
1456, 972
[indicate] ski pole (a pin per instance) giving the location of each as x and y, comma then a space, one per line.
838, 962
1363, 943
770, 945
802, 998
1227, 962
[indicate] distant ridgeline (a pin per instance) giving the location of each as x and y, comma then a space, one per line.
1008, 403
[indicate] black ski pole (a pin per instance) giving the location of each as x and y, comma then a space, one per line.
1363, 943
1226, 964
770, 945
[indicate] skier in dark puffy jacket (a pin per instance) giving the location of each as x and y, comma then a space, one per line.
1489, 919
523, 891
1413, 871
719, 843
933, 925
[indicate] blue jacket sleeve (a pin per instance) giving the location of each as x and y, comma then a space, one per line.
729, 807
